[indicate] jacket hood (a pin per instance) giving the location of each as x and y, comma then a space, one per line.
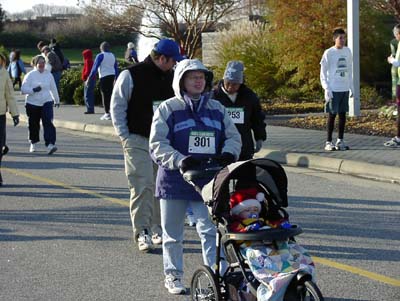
181, 68
87, 54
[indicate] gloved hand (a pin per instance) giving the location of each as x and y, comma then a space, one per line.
188, 163
253, 227
258, 146
225, 159
328, 95
37, 89
16, 120
351, 94
57, 105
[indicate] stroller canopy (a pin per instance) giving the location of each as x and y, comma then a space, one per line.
263, 172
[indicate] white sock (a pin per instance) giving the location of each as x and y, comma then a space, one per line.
397, 139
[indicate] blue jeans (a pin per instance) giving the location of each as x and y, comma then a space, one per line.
172, 223
88, 93
57, 77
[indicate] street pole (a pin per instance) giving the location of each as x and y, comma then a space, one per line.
353, 34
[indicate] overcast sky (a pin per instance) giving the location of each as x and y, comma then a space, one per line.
13, 6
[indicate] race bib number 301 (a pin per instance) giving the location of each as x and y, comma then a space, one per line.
236, 114
202, 142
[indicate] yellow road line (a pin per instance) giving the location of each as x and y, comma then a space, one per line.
61, 184
327, 262
358, 271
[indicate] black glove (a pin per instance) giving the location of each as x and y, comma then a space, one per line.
188, 163
225, 159
57, 105
16, 120
37, 89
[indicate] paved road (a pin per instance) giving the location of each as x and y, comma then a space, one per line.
296, 147
65, 232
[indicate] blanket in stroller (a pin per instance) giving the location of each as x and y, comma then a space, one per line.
274, 266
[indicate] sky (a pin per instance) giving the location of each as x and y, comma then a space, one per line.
14, 6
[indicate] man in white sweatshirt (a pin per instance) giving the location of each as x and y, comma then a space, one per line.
337, 80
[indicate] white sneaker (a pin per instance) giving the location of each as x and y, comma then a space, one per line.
106, 116
156, 239
32, 148
174, 285
340, 145
191, 220
51, 148
329, 146
144, 241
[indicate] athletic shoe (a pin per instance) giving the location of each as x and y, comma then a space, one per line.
394, 142
329, 146
51, 149
32, 148
340, 145
191, 220
106, 116
174, 285
144, 241
87, 112
156, 239
5, 150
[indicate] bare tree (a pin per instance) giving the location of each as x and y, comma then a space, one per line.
391, 7
2, 18
181, 20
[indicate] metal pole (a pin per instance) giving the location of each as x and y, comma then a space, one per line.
353, 33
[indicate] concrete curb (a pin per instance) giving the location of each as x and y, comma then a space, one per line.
356, 168
360, 169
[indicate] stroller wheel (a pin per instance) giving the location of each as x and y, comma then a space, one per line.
204, 286
309, 291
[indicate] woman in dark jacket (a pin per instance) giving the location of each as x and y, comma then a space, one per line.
244, 108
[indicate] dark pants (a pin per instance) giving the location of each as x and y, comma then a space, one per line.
88, 94
2, 135
17, 80
106, 87
44, 113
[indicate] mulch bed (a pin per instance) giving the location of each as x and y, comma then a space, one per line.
367, 124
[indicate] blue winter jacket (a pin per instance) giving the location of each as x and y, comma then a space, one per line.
174, 121
13, 68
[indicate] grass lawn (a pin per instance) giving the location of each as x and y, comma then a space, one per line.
74, 55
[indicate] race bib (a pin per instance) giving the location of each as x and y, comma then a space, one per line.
236, 114
202, 142
156, 103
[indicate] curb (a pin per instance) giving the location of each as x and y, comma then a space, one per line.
355, 168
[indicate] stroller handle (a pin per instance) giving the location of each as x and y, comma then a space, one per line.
196, 174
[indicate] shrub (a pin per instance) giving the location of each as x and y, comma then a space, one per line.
388, 112
370, 98
70, 81
248, 42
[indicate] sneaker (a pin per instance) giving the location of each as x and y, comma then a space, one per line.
144, 241
32, 148
394, 142
88, 112
174, 285
51, 148
106, 116
340, 145
329, 146
191, 220
156, 239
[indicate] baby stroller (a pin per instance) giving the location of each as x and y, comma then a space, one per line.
269, 177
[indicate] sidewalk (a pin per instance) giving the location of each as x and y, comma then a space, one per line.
295, 147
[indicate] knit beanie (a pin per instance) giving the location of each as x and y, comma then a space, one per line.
245, 198
234, 72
